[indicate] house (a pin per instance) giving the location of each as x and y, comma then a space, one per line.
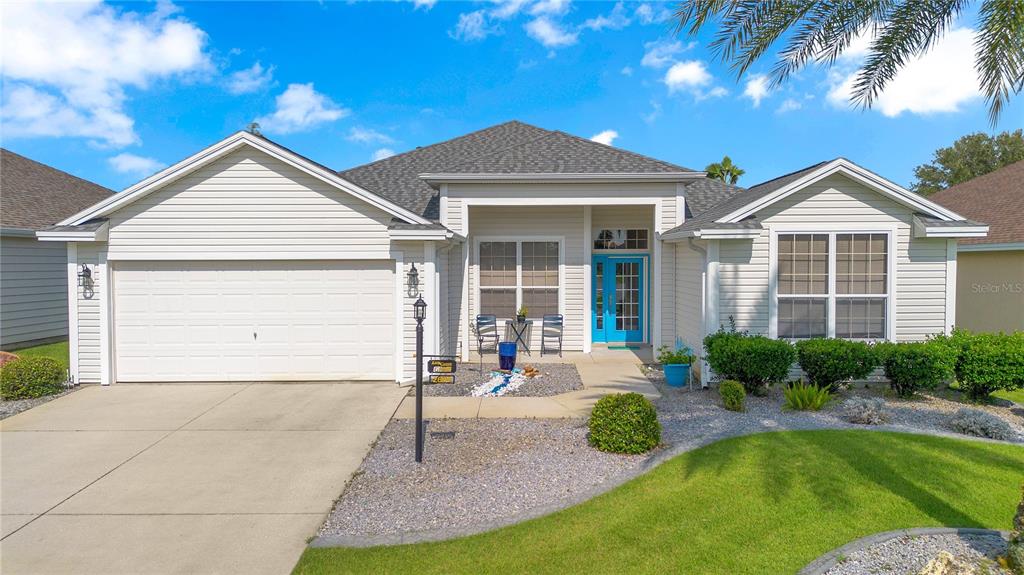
248, 261
990, 280
33, 274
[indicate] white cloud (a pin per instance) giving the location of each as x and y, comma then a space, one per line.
627, 71
551, 7
716, 92
756, 89
300, 108
648, 14
661, 53
368, 136
382, 153
655, 112
505, 9
941, 80
473, 26
135, 165
788, 105
252, 79
615, 20
77, 59
688, 75
549, 33
606, 137
425, 4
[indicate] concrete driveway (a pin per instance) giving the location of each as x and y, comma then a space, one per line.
180, 478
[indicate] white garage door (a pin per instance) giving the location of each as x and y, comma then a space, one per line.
254, 321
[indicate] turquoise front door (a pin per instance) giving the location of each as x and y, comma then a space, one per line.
618, 299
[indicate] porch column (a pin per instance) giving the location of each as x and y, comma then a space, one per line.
655, 311
588, 245
466, 247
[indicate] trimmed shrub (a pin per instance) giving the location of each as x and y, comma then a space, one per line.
865, 410
733, 395
981, 424
1015, 553
624, 423
829, 363
989, 362
912, 367
755, 361
28, 377
806, 397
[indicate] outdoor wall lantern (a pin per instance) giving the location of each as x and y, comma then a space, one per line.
414, 281
84, 276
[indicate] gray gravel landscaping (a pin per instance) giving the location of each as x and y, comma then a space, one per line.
16, 406
555, 378
907, 555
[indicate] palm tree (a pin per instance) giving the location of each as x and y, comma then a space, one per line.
725, 170
819, 31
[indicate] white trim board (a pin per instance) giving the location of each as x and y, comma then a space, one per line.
855, 172
1002, 247
220, 149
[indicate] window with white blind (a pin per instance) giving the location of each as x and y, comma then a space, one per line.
832, 285
516, 274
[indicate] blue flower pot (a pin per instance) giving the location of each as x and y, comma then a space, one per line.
676, 375
507, 355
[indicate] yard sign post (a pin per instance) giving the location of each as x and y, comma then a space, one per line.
421, 312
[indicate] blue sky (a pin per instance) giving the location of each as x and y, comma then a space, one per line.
112, 92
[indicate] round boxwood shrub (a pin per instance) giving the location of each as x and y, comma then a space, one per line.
911, 367
989, 362
755, 361
28, 377
733, 395
624, 423
829, 363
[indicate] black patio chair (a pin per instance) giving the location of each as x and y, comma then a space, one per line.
486, 331
551, 328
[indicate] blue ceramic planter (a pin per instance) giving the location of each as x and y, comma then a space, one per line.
676, 375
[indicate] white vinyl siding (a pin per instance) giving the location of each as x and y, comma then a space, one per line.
689, 274
248, 205
254, 321
89, 344
841, 205
412, 253
33, 291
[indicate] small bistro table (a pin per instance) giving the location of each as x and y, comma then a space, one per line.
521, 332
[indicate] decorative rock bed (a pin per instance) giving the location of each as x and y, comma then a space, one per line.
555, 378
909, 551
16, 406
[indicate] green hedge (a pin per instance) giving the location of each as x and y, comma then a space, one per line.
829, 363
733, 395
912, 367
624, 423
29, 377
989, 362
755, 361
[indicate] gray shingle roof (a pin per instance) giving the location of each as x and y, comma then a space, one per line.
512, 147
35, 195
995, 198
736, 201
936, 222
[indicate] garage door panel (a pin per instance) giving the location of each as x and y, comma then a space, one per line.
195, 321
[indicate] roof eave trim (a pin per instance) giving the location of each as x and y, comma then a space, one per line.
967, 230
100, 234
220, 149
425, 235
17, 232
993, 247
856, 172
449, 178
713, 234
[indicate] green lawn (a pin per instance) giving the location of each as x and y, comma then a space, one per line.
58, 351
768, 503
1016, 396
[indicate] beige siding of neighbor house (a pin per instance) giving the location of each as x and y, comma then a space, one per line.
248, 205
33, 291
838, 203
990, 291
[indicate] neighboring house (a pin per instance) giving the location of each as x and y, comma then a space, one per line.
990, 270
248, 261
33, 274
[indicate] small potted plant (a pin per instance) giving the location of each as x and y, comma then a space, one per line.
676, 364
521, 314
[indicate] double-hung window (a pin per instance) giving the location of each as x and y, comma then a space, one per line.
516, 274
833, 285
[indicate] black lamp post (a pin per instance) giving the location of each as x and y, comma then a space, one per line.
420, 308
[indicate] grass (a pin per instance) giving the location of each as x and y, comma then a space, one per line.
1016, 396
57, 351
767, 503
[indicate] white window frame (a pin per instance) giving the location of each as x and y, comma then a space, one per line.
832, 232
519, 268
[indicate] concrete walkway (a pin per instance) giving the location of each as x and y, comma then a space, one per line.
180, 478
603, 372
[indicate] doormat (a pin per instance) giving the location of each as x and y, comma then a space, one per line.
625, 346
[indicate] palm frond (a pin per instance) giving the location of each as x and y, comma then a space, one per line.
999, 49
